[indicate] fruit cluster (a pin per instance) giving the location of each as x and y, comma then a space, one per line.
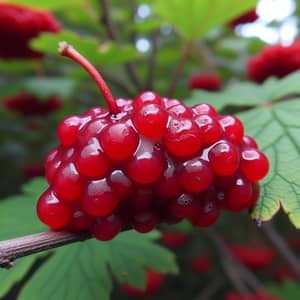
277, 60
146, 161
209, 82
18, 25
27, 104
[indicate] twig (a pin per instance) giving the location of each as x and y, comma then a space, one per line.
208, 292
113, 35
282, 247
234, 277
186, 52
152, 61
248, 276
10, 250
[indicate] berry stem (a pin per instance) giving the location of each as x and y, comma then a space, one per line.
10, 250
67, 50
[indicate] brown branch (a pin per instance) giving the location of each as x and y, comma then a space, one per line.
185, 54
246, 274
10, 250
209, 291
282, 247
152, 61
113, 35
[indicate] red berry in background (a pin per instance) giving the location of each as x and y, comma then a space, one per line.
33, 170
18, 25
202, 264
255, 257
234, 296
144, 162
173, 239
247, 17
277, 60
154, 282
209, 82
27, 104
283, 273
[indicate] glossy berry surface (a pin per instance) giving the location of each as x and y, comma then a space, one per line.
148, 161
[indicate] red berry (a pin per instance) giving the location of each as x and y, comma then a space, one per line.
248, 17
53, 212
183, 206
224, 158
210, 129
150, 120
68, 184
146, 165
91, 161
209, 82
249, 141
182, 138
202, 264
67, 130
173, 239
180, 111
233, 128
119, 141
195, 175
99, 199
153, 283
255, 196
81, 221
146, 98
254, 164
120, 183
144, 221
106, 228
204, 109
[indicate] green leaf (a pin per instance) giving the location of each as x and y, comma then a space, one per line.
289, 290
249, 93
277, 130
196, 17
85, 267
17, 218
90, 47
51, 5
45, 87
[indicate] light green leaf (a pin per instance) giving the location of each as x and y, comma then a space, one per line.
277, 130
85, 267
90, 47
196, 17
249, 93
51, 5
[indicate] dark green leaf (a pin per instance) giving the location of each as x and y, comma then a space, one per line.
287, 291
85, 267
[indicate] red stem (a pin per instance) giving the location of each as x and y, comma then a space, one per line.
67, 50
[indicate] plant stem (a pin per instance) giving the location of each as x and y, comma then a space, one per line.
67, 50
113, 35
282, 247
246, 274
185, 54
10, 250
152, 61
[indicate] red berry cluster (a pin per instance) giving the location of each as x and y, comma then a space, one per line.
209, 82
248, 17
254, 257
277, 60
27, 104
234, 296
153, 160
154, 282
18, 25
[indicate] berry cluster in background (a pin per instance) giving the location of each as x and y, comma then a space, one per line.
155, 160
18, 25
